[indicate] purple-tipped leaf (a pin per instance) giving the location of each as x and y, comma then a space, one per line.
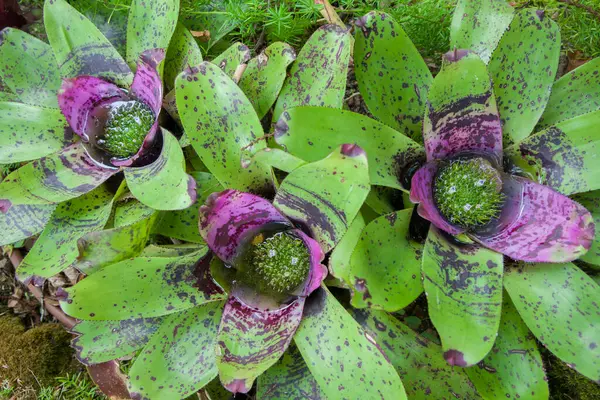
538, 224
250, 340
421, 192
78, 97
229, 216
147, 84
461, 109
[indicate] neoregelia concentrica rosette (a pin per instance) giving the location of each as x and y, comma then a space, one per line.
233, 311
506, 146
80, 84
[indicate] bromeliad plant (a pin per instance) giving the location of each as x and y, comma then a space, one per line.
80, 84
504, 147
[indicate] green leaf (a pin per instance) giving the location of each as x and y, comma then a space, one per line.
463, 283
183, 52
272, 157
220, 122
80, 48
163, 184
129, 211
102, 248
313, 132
558, 302
345, 361
58, 177
574, 94
478, 25
5, 96
523, 68
563, 156
251, 340
264, 76
56, 248
28, 68
149, 287
339, 260
172, 250
29, 132
378, 277
513, 369
179, 359
232, 60
23, 221
150, 25
384, 200
462, 114
101, 341
318, 76
325, 196
591, 201
392, 76
288, 379
183, 224
417, 360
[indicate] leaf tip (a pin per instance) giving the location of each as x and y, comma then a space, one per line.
455, 358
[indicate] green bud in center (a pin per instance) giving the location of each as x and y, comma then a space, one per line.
276, 265
127, 124
468, 192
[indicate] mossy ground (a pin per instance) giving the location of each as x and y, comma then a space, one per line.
31, 359
565, 383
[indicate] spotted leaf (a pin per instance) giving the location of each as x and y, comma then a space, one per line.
264, 76
377, 276
417, 360
154, 287
163, 184
23, 221
591, 201
288, 379
311, 133
101, 341
325, 196
183, 224
345, 360
251, 340
564, 156
28, 68
463, 283
523, 68
392, 76
150, 25
478, 25
56, 248
339, 260
273, 157
58, 177
220, 122
558, 302
574, 94
183, 52
513, 369
80, 48
102, 248
461, 111
233, 60
318, 76
30, 132
179, 359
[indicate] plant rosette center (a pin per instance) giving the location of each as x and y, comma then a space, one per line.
275, 265
468, 192
126, 126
